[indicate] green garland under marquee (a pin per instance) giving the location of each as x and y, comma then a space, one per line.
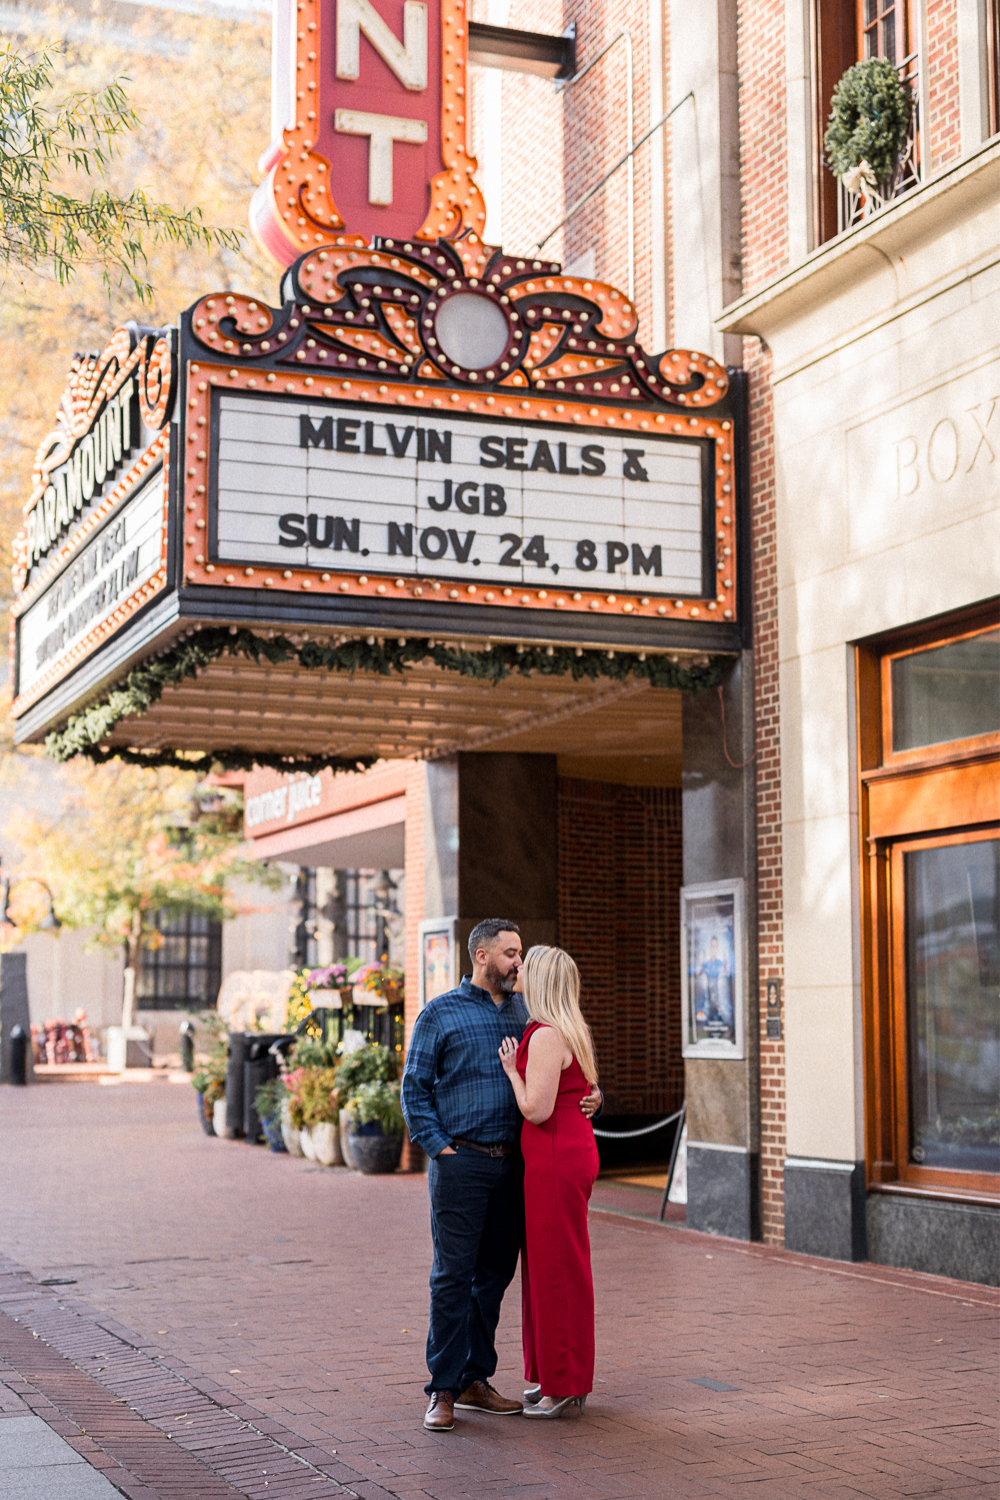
85, 732
868, 120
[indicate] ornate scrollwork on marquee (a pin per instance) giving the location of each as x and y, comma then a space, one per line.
380, 310
133, 352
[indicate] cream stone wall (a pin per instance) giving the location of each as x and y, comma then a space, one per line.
260, 936
887, 437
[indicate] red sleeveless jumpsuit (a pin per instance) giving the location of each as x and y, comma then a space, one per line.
557, 1285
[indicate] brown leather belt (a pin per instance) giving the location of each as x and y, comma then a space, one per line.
502, 1148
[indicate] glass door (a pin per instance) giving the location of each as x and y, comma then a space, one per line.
945, 979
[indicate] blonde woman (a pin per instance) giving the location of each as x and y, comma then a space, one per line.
549, 1071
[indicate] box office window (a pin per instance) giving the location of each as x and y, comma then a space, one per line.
929, 758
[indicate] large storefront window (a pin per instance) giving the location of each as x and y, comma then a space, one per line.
353, 914
951, 963
181, 962
929, 720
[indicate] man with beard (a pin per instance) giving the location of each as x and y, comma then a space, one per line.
460, 1107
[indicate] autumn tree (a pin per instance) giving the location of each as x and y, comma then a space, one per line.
195, 90
48, 224
127, 842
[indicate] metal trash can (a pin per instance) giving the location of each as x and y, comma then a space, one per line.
259, 1065
246, 1047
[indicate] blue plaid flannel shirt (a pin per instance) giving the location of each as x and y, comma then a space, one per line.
453, 1084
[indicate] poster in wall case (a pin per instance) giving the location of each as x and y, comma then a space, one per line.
438, 957
712, 968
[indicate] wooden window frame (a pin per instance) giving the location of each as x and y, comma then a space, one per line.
993, 64
835, 48
837, 43
903, 28
947, 793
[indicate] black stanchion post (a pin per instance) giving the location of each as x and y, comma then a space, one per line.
187, 1046
19, 1056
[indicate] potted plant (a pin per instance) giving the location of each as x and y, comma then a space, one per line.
317, 1092
327, 986
376, 1126
378, 984
209, 1083
368, 1064
268, 1101
291, 1113
312, 989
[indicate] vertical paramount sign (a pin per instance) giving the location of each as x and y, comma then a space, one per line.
368, 122
426, 418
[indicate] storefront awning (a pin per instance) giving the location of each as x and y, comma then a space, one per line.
369, 837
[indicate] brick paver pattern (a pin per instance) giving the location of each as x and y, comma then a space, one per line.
234, 1312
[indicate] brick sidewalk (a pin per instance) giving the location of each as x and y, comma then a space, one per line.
234, 1312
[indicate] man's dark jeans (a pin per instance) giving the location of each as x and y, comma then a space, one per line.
477, 1223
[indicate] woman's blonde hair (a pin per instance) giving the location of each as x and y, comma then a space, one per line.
552, 994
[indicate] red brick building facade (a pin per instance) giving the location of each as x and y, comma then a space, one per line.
730, 232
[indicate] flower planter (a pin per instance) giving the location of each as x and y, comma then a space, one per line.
374, 1152
306, 1142
289, 1134
273, 1134
345, 1140
205, 1116
219, 1118
326, 1144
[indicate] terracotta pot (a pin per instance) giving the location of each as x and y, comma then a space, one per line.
345, 1140
219, 1117
374, 1152
289, 1134
306, 1140
326, 1144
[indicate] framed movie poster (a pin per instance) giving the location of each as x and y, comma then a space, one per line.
712, 967
438, 957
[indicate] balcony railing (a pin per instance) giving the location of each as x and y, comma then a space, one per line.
855, 208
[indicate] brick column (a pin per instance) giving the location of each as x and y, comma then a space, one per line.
770, 908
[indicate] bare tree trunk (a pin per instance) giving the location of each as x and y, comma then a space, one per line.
133, 966
128, 999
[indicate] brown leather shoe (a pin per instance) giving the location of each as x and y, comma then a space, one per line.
440, 1414
482, 1397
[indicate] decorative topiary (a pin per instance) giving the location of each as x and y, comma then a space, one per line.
868, 121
